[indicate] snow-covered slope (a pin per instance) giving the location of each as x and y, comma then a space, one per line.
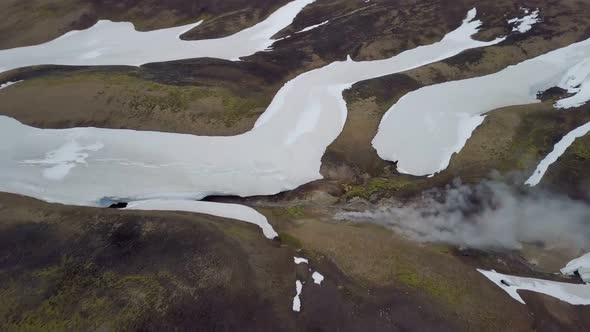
92, 166
225, 210
439, 119
118, 43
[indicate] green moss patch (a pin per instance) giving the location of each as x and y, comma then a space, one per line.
295, 211
581, 148
142, 97
377, 187
435, 286
290, 240
77, 295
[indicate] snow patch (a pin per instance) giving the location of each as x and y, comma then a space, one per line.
317, 278
309, 28
300, 260
225, 210
575, 264
575, 294
580, 265
7, 84
525, 23
558, 150
297, 299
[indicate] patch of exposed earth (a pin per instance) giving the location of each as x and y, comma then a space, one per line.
67, 268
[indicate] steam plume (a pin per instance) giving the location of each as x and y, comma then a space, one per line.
488, 215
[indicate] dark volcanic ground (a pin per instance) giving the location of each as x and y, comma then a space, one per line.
72, 269
85, 269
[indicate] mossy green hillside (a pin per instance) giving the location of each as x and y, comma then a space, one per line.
376, 188
77, 295
141, 97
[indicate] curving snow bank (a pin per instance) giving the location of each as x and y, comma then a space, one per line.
225, 210
283, 151
309, 28
576, 294
438, 120
558, 150
118, 43
7, 84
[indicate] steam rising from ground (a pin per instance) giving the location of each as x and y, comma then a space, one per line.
487, 215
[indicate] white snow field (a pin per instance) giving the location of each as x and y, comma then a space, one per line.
439, 119
96, 167
225, 210
558, 150
576, 294
112, 43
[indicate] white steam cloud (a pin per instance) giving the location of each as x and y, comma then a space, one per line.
487, 215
